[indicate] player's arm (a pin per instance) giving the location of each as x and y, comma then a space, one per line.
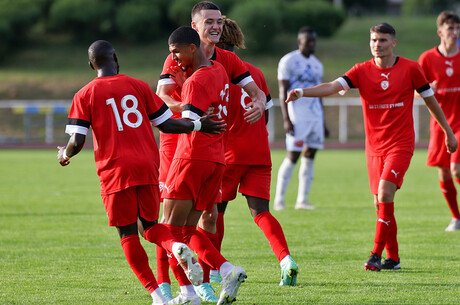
283, 86
324, 89
257, 105
164, 92
74, 146
204, 124
436, 111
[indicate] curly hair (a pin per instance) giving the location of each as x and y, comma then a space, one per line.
232, 34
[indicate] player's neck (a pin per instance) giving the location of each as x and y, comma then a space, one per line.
208, 49
200, 62
448, 50
385, 61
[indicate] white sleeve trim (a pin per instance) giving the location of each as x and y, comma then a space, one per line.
166, 81
162, 118
427, 93
188, 114
269, 104
245, 81
344, 84
71, 129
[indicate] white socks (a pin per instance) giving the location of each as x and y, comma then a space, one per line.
225, 268
187, 290
284, 176
305, 179
158, 297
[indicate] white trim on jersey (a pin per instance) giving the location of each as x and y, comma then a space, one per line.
245, 81
427, 93
188, 114
71, 129
162, 118
166, 81
269, 104
344, 84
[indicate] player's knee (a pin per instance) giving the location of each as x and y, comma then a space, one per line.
124, 231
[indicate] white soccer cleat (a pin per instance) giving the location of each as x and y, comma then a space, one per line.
230, 284
279, 205
454, 225
188, 262
185, 300
304, 206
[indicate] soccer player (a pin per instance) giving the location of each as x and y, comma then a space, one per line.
195, 177
120, 110
248, 162
207, 21
303, 119
441, 65
386, 85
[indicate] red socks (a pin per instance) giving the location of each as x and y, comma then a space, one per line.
220, 230
273, 232
139, 261
386, 231
450, 193
179, 273
162, 266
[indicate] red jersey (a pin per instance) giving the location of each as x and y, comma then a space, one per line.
120, 110
387, 96
207, 86
446, 71
247, 143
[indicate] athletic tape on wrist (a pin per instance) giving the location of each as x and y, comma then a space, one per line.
64, 155
298, 92
196, 125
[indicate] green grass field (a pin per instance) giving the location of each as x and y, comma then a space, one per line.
56, 247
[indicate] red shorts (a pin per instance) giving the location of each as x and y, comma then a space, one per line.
125, 206
166, 158
437, 150
391, 167
200, 181
253, 180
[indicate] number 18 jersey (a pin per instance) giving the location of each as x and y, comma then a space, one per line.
120, 110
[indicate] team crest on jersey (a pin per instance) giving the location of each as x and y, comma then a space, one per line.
449, 71
384, 84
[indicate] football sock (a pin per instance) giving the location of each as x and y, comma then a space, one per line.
392, 243
158, 297
225, 268
384, 219
139, 261
162, 266
220, 230
306, 170
274, 233
450, 193
159, 234
214, 238
284, 176
187, 290
202, 246
177, 270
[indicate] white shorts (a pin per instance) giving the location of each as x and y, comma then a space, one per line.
306, 133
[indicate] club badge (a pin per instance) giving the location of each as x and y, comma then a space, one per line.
449, 71
384, 84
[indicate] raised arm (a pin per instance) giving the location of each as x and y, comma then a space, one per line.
436, 112
324, 89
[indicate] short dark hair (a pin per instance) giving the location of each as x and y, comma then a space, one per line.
306, 30
384, 28
445, 16
185, 35
100, 52
204, 5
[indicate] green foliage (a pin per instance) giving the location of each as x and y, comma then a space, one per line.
417, 7
318, 14
179, 12
259, 20
84, 19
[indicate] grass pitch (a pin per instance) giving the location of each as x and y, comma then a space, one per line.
56, 247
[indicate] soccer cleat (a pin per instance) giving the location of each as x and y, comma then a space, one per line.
165, 289
304, 206
206, 292
215, 277
279, 205
230, 284
185, 300
391, 264
188, 262
289, 271
453, 225
374, 263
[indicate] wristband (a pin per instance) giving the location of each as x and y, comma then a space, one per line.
298, 92
64, 155
196, 125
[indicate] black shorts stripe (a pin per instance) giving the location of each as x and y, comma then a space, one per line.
159, 112
193, 109
348, 80
239, 78
423, 88
78, 122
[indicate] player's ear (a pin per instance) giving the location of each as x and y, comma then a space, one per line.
91, 65
193, 48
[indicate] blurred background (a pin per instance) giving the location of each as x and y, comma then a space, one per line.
43, 52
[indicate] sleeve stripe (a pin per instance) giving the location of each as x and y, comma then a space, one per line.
162, 118
71, 129
425, 91
166, 81
78, 122
159, 112
187, 114
241, 78
163, 76
348, 80
423, 88
190, 107
269, 103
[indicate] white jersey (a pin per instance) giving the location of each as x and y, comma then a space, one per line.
302, 72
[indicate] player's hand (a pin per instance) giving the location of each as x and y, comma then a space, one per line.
208, 125
288, 127
293, 95
210, 110
60, 156
178, 75
451, 143
256, 108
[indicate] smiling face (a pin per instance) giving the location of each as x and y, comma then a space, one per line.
382, 45
182, 54
208, 24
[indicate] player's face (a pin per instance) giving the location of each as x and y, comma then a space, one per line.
449, 32
307, 43
382, 45
208, 24
182, 54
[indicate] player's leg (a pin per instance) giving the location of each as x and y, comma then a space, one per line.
306, 171
285, 172
449, 191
